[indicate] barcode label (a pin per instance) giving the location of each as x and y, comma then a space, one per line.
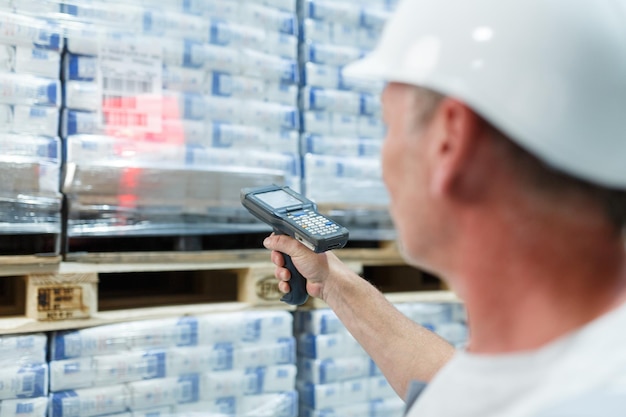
28, 384
130, 80
24, 408
186, 392
127, 86
187, 389
112, 101
125, 119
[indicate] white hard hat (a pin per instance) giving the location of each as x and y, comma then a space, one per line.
551, 74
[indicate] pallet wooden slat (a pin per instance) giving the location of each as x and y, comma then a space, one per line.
28, 264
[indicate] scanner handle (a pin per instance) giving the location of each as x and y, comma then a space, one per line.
297, 295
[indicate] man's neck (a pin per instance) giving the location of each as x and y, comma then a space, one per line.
540, 281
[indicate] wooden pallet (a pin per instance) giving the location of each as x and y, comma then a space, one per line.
116, 287
80, 290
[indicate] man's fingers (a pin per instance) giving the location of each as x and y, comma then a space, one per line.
283, 276
278, 244
283, 287
284, 244
270, 242
277, 258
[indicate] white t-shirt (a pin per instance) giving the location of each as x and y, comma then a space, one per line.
585, 370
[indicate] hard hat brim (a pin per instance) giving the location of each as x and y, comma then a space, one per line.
370, 68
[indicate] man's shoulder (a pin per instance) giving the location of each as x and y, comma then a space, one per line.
596, 360
603, 402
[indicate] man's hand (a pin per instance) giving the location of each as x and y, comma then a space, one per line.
315, 267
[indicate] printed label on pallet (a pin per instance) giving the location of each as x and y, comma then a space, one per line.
58, 303
267, 289
61, 296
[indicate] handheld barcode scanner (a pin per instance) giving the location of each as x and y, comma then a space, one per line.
290, 213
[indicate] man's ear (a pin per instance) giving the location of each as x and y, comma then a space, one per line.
457, 136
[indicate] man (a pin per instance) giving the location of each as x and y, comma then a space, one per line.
505, 161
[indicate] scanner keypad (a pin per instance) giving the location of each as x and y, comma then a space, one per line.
313, 222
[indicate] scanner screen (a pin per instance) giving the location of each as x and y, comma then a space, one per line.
278, 199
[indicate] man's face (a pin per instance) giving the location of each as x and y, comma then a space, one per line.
406, 171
